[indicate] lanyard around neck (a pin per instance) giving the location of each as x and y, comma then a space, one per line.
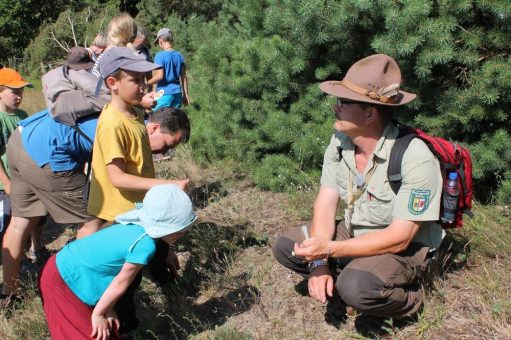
360, 189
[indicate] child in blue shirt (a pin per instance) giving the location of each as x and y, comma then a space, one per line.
80, 284
171, 78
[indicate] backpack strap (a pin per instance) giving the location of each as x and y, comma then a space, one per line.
396, 158
81, 133
65, 72
86, 186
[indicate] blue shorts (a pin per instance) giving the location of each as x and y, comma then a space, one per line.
5, 211
169, 100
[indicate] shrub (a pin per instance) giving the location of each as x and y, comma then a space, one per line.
255, 69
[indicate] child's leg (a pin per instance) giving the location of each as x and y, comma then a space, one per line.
67, 316
35, 241
13, 251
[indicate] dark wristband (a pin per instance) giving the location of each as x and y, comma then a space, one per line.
317, 263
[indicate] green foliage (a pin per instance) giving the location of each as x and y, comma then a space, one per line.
19, 20
153, 13
255, 68
72, 28
277, 172
504, 191
24, 20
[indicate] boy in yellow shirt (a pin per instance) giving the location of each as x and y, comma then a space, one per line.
122, 164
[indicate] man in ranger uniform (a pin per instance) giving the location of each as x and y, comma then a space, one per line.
386, 240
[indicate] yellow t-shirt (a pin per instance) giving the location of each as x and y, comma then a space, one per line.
118, 136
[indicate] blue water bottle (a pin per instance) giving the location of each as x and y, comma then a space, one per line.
450, 198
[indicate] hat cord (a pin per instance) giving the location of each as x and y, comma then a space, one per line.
383, 95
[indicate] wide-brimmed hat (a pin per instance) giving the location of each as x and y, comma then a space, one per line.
78, 58
375, 79
166, 209
12, 79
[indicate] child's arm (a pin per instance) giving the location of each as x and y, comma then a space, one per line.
157, 76
184, 86
121, 180
100, 325
5, 179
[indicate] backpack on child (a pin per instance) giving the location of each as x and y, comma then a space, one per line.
69, 94
452, 158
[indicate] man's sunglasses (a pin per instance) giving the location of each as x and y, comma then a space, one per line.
341, 102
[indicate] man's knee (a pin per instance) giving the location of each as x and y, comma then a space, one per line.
281, 249
359, 289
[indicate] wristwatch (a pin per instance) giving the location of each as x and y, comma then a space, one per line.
317, 263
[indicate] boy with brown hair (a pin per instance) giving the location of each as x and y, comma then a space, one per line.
122, 165
12, 85
11, 94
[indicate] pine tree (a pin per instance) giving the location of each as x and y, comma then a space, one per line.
255, 71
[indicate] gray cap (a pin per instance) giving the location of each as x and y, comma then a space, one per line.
123, 58
161, 32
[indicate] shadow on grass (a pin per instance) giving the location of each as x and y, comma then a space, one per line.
53, 230
205, 295
452, 256
204, 194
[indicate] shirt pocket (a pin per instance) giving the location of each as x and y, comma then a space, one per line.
380, 204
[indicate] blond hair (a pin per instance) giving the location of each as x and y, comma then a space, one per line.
122, 30
101, 40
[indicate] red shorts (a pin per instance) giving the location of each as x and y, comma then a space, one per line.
67, 316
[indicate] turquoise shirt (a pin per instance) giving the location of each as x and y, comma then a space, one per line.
89, 265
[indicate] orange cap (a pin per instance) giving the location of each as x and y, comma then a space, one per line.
11, 78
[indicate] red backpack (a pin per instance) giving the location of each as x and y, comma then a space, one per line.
451, 156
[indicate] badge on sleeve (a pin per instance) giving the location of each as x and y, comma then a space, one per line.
419, 201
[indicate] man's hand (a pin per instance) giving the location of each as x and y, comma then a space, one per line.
321, 284
312, 249
148, 100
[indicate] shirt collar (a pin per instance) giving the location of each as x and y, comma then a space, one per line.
388, 136
387, 139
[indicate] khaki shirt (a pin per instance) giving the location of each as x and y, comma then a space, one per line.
418, 199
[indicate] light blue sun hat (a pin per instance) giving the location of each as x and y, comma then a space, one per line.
166, 209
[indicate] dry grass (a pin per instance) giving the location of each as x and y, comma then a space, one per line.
231, 288
33, 100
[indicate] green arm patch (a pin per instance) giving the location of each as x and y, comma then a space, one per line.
419, 201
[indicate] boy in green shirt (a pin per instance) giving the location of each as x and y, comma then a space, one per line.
11, 93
